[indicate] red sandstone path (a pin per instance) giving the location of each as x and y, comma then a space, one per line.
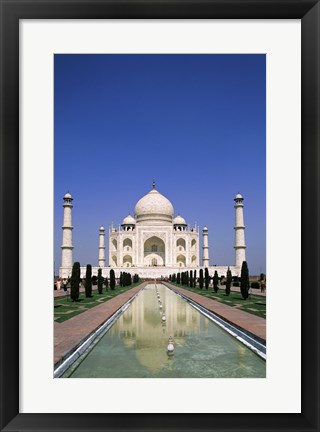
249, 322
69, 334
61, 292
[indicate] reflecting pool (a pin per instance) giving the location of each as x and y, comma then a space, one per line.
136, 345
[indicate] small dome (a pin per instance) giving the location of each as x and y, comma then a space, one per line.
67, 196
205, 228
129, 220
154, 206
179, 220
239, 196
101, 228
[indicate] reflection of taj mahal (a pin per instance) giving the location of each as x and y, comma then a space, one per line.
153, 243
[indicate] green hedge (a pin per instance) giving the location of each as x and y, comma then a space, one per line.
236, 284
255, 285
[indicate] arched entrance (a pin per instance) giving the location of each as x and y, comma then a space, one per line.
127, 261
127, 245
181, 260
181, 245
154, 252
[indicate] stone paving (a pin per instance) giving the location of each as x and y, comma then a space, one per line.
62, 293
69, 334
244, 320
255, 291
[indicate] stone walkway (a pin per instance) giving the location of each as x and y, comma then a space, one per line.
69, 334
243, 320
61, 293
254, 291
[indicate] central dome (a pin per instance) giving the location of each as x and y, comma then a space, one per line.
154, 206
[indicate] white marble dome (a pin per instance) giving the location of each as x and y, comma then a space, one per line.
239, 196
129, 220
67, 196
179, 220
154, 206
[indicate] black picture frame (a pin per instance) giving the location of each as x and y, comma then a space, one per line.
11, 12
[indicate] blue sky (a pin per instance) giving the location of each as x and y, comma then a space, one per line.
194, 123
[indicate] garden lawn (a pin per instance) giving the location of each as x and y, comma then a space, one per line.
255, 305
65, 308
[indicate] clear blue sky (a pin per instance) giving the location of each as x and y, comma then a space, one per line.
194, 123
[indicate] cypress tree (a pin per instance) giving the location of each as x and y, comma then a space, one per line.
75, 281
129, 279
244, 284
228, 281
187, 278
201, 279
112, 279
178, 278
215, 281
195, 278
106, 282
191, 279
100, 281
88, 281
206, 278
121, 279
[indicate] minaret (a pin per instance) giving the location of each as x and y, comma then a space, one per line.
102, 259
239, 241
66, 258
205, 248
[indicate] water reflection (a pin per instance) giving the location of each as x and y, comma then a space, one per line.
136, 345
141, 327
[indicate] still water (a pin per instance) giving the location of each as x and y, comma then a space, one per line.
136, 345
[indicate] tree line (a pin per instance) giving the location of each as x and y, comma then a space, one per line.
189, 279
89, 280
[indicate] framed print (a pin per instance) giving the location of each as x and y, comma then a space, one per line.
103, 106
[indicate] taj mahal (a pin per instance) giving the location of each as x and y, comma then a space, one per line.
153, 243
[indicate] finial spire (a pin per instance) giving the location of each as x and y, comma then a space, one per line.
153, 184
